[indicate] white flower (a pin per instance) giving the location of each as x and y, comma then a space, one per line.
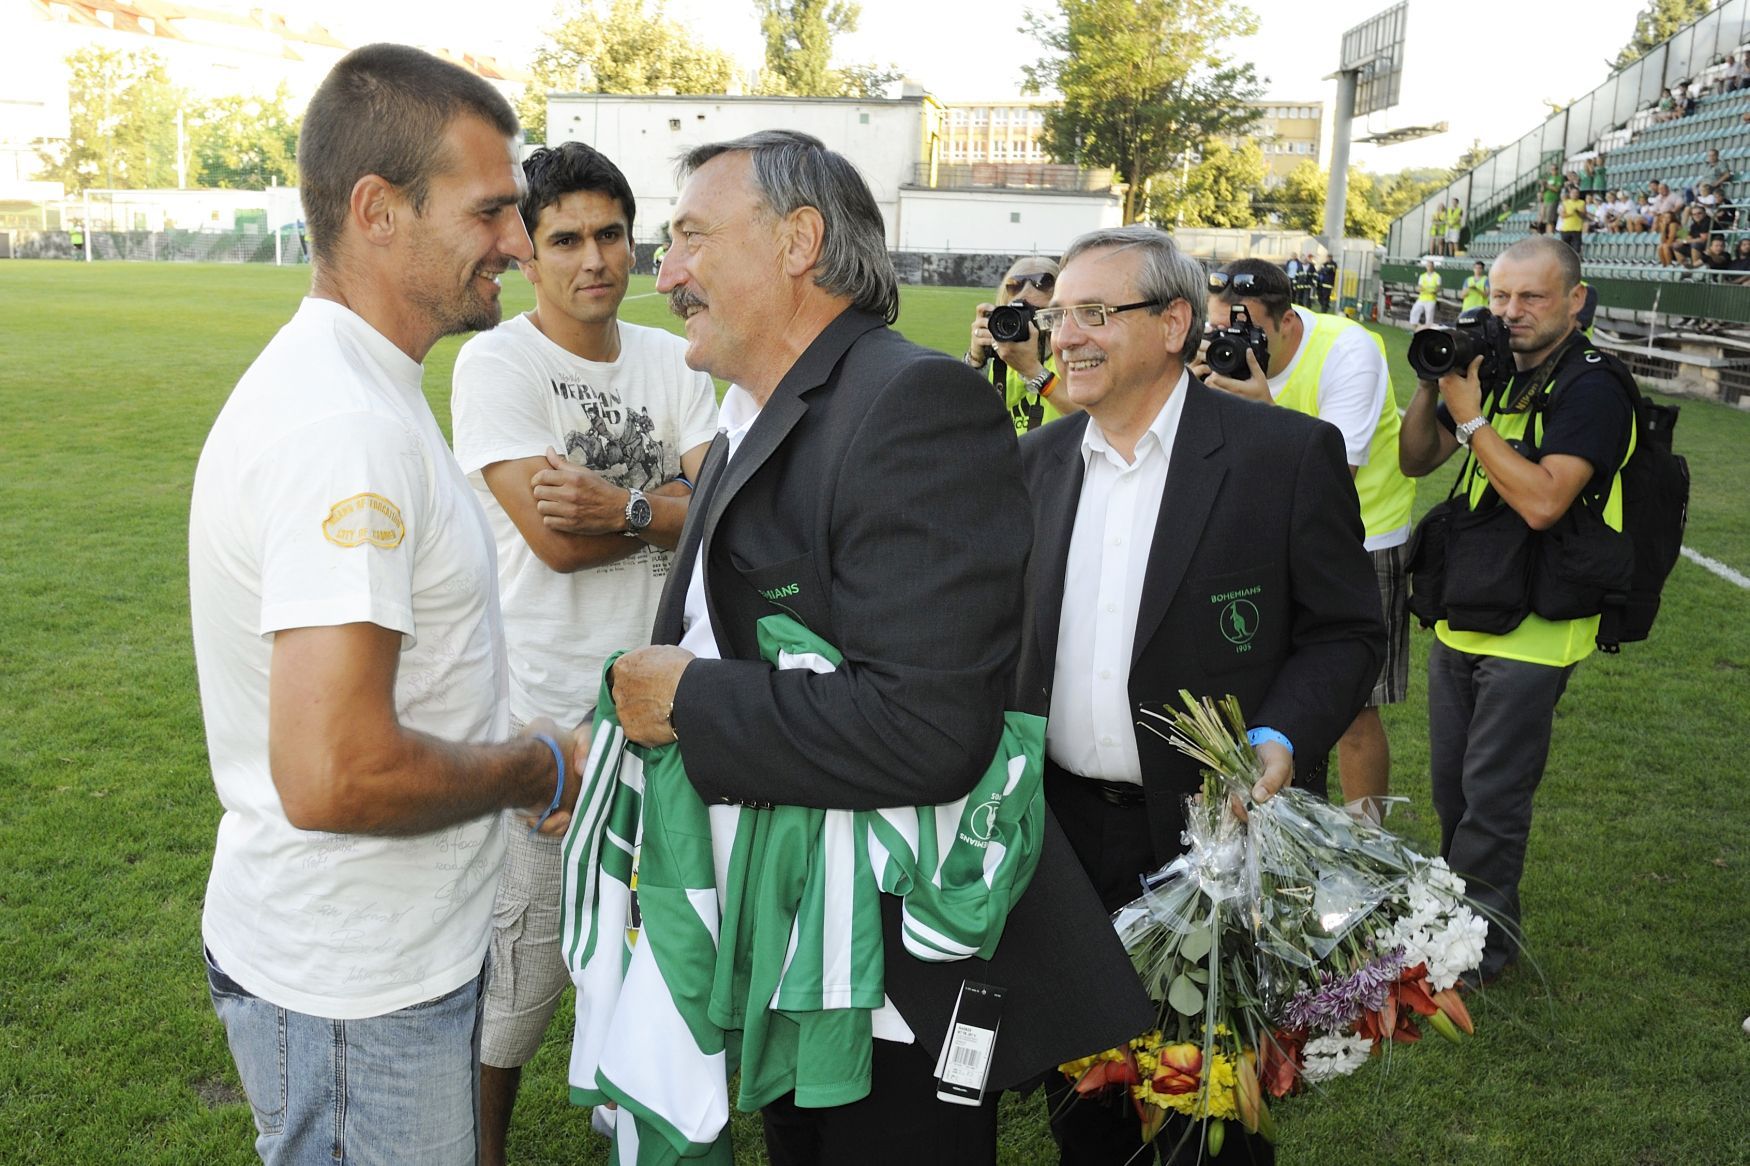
1333, 1055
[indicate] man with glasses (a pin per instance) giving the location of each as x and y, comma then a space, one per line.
1183, 539
1334, 369
1028, 381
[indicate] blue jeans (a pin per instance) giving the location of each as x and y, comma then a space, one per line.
398, 1088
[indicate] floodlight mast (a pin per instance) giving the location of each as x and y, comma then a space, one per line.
1337, 192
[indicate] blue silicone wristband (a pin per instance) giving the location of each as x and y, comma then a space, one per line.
1256, 737
558, 786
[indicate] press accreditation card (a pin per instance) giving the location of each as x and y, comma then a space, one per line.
964, 1065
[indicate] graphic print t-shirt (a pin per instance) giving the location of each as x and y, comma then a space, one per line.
517, 393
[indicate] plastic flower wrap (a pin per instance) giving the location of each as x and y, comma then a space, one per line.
1284, 947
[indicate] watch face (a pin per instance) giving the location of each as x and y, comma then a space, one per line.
638, 513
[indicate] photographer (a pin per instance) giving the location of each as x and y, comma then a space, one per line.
1557, 422
1028, 381
1332, 368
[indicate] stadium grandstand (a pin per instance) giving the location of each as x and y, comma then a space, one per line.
1681, 327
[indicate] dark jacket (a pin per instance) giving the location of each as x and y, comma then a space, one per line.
878, 498
1259, 518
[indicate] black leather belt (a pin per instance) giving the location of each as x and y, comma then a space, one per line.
1115, 793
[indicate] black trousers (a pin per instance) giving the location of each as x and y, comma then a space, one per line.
901, 1121
1113, 844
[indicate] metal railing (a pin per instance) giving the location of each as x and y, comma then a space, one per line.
1012, 176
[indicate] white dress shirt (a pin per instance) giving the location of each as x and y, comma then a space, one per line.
1090, 731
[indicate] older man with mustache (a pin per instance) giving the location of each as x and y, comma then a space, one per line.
872, 490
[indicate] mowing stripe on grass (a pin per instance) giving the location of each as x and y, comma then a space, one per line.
1716, 567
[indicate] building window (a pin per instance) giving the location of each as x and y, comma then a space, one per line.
957, 117
1014, 216
863, 119
674, 123
980, 115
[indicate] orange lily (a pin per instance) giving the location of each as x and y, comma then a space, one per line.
1105, 1074
1452, 1005
1181, 1069
1405, 1000
1282, 1060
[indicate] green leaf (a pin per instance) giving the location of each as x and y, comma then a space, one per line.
1185, 996
1195, 945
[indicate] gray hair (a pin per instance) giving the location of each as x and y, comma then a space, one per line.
1166, 273
793, 170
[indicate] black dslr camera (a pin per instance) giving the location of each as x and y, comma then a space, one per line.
1010, 322
1226, 354
1434, 352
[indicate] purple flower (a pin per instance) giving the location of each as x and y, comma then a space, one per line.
1339, 1000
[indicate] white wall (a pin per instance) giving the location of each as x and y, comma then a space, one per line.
643, 136
985, 220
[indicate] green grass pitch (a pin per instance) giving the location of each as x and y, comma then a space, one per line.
1637, 893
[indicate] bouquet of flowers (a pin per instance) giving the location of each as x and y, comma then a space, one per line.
1290, 944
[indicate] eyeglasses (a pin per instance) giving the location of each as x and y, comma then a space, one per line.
1242, 282
1087, 315
1043, 280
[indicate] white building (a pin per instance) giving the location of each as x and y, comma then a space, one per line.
898, 145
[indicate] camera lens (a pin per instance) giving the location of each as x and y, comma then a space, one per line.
1010, 322
1432, 353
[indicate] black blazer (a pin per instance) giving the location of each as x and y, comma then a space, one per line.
878, 497
1259, 520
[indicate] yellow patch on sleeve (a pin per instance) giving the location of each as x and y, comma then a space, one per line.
364, 519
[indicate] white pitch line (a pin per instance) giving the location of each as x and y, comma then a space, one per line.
1717, 568
644, 295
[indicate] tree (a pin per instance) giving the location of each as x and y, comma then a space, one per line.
121, 123
1299, 202
1142, 80
244, 143
628, 47
1373, 202
1474, 155
799, 36
1655, 24
1214, 191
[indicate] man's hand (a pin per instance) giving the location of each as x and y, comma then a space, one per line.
1023, 355
644, 683
1463, 394
574, 747
576, 500
980, 346
1278, 775
1256, 386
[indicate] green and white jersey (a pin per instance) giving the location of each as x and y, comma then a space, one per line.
761, 945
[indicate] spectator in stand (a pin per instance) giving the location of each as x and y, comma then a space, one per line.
1688, 97
1741, 261
1667, 213
1627, 212
1697, 228
1552, 194
1436, 231
1598, 214
1739, 74
1707, 196
1718, 173
1600, 176
1454, 227
1572, 222
1667, 107
1589, 176
1716, 257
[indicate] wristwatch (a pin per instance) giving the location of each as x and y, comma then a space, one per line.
637, 513
1465, 431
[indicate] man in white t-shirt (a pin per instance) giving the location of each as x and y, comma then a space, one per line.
1334, 369
585, 538
344, 602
